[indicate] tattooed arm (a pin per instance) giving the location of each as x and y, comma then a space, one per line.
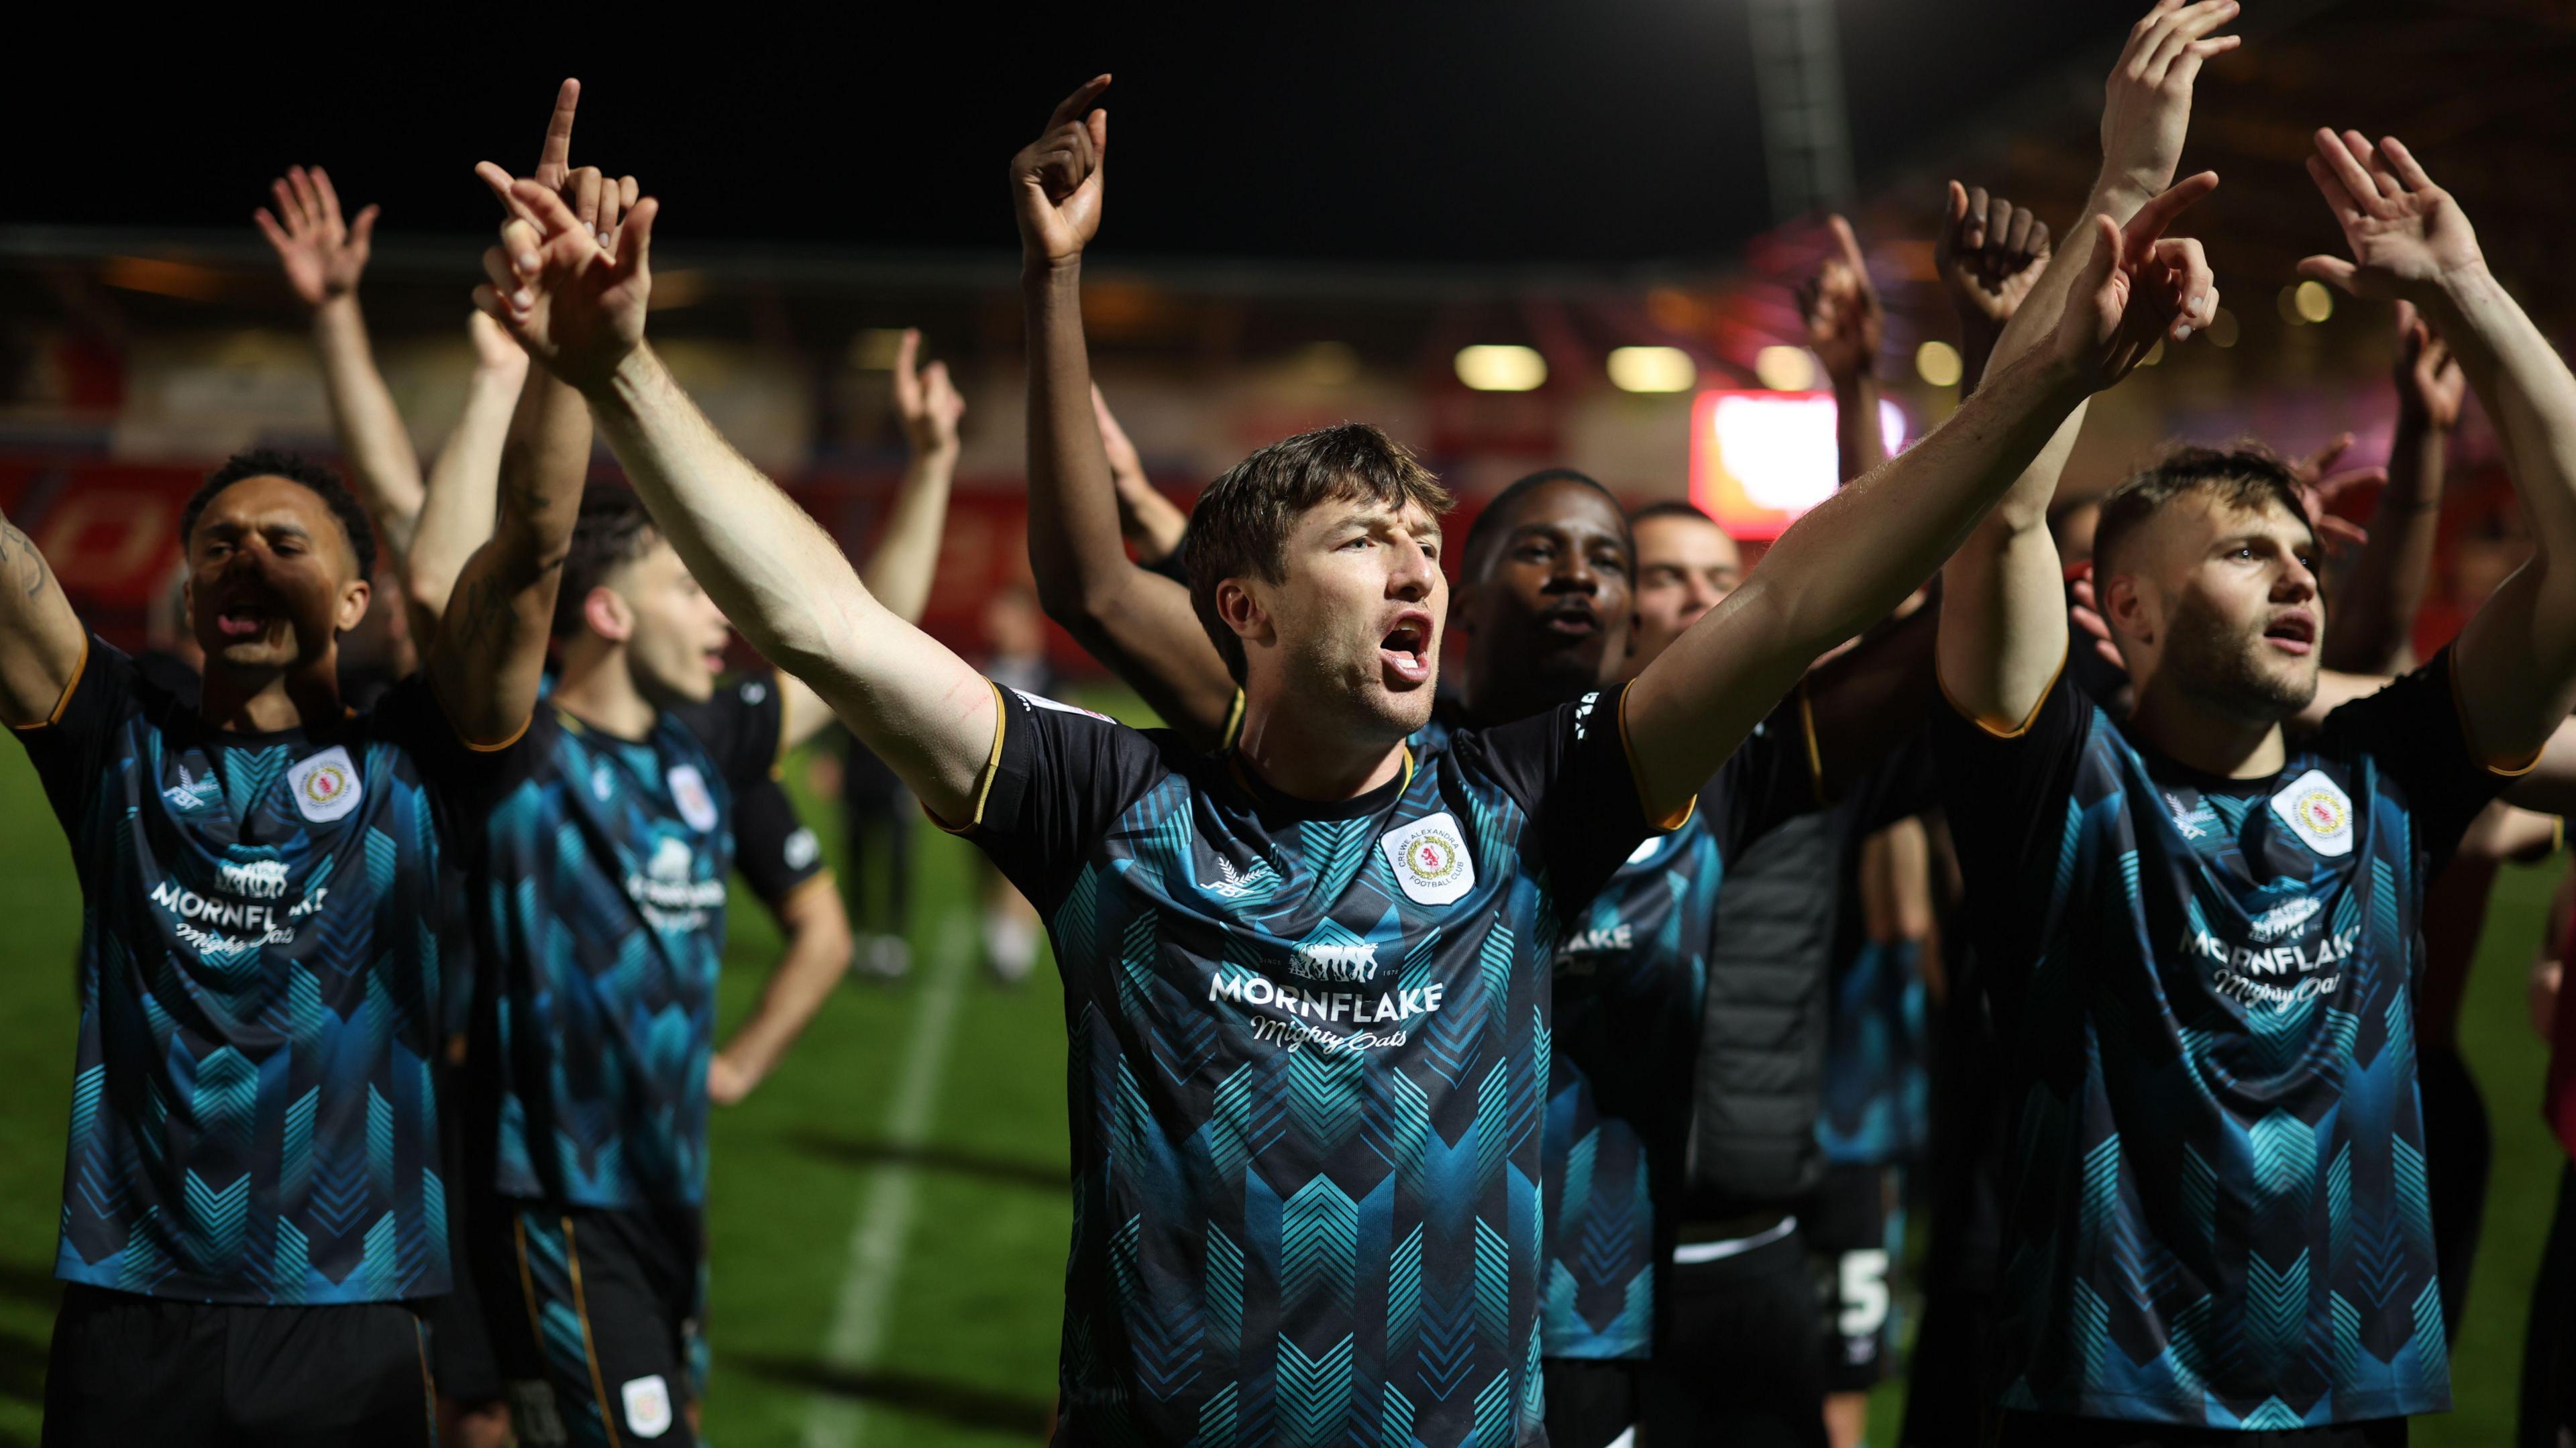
41, 643
491, 647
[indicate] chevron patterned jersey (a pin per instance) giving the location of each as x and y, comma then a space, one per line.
252, 1120
1309, 1046
602, 892
1629, 981
2217, 1209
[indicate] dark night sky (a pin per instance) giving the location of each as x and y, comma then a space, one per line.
1601, 133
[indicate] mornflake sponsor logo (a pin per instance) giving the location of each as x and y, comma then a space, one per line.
1603, 941
259, 879
1324, 1008
669, 898
2278, 976
200, 919
1352, 962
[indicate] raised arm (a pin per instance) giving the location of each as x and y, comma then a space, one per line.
2003, 604
2370, 629
906, 560
2409, 239
1138, 623
1151, 523
907, 557
465, 483
1988, 253
1860, 551
41, 642
1844, 326
779, 577
323, 258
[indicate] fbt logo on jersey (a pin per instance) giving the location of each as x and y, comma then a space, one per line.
1430, 858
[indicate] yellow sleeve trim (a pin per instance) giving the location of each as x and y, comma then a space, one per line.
2468, 736
1636, 781
515, 736
2028, 720
992, 767
65, 702
1815, 755
1233, 723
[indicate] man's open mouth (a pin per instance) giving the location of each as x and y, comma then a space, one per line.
242, 620
1406, 650
1574, 620
2294, 632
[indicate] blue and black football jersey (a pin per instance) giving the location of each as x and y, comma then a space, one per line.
2216, 1208
1629, 980
252, 1115
1877, 1082
601, 912
1308, 1067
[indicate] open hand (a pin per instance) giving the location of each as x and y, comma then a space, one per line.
927, 401
1844, 320
577, 309
2319, 486
321, 255
1989, 254
2405, 233
2139, 288
2430, 385
2146, 105
1056, 179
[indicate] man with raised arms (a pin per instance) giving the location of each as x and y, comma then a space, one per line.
2201, 934
252, 1196
1307, 1084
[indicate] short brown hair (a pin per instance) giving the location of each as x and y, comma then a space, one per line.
2248, 476
1241, 523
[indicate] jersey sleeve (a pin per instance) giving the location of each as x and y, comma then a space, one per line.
773, 849
1058, 779
1769, 779
1569, 769
2415, 732
740, 724
465, 781
70, 749
1997, 788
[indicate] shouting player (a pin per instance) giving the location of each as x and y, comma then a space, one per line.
2202, 934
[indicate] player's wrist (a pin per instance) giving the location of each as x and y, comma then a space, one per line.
626, 385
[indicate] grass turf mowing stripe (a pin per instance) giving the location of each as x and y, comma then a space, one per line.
885, 1217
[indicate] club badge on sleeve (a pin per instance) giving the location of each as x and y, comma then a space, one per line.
325, 785
1432, 865
2318, 812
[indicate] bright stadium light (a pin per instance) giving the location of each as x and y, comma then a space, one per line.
2314, 302
1785, 369
1491, 368
1652, 369
1760, 459
1937, 362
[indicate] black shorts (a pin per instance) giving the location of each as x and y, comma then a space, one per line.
1740, 1365
1592, 1402
1855, 1229
126, 1369
2030, 1430
594, 1320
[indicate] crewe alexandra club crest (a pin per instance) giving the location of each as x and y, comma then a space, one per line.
2318, 811
1430, 859
325, 785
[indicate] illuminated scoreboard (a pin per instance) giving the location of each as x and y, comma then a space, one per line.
1760, 459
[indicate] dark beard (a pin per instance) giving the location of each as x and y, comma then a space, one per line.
2214, 662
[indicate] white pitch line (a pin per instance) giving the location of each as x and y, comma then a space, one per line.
885, 1215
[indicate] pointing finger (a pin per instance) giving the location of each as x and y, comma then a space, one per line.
1077, 104
555, 157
